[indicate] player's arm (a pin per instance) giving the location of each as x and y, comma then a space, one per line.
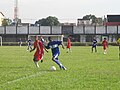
45, 49
32, 49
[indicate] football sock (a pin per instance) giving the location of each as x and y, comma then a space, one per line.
36, 63
60, 65
57, 61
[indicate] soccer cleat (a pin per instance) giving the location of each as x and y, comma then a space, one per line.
64, 68
41, 61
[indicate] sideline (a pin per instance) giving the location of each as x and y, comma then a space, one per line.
23, 78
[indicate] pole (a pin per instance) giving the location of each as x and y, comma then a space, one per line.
119, 52
1, 40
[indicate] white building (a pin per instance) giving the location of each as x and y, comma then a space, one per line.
84, 22
1, 18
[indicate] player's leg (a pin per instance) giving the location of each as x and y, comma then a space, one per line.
105, 52
20, 44
55, 59
95, 49
30, 47
92, 49
70, 49
67, 50
41, 58
36, 62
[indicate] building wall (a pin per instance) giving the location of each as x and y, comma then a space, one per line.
80, 33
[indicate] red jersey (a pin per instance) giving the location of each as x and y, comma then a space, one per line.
105, 44
39, 48
68, 43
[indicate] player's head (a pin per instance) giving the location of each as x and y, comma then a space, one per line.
49, 38
36, 37
104, 38
41, 37
69, 36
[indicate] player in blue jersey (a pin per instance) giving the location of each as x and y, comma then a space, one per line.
29, 44
94, 45
54, 46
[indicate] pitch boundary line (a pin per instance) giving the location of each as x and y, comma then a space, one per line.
23, 78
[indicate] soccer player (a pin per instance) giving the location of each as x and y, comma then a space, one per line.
29, 44
54, 46
94, 45
38, 56
105, 45
20, 42
68, 45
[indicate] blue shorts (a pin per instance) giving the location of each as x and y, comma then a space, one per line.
94, 46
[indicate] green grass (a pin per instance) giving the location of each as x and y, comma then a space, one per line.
85, 70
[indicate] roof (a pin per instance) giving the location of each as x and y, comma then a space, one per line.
1, 13
112, 23
83, 19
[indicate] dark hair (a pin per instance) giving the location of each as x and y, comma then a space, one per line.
49, 38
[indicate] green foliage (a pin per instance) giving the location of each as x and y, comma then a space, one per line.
86, 70
6, 22
49, 21
94, 19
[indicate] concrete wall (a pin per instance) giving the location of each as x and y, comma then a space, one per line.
80, 33
60, 30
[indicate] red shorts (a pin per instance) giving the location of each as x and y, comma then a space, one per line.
38, 57
104, 47
68, 46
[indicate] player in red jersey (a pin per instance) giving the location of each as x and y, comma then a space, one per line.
105, 45
68, 44
38, 56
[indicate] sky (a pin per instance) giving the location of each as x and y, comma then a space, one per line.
64, 10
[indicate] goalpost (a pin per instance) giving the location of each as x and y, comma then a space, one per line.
54, 37
0, 41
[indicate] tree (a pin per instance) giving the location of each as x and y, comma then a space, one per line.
93, 17
6, 22
49, 21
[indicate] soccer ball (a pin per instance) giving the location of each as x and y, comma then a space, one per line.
53, 68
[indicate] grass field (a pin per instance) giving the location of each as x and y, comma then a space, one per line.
85, 70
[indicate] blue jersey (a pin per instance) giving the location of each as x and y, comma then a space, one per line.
94, 43
54, 46
29, 42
